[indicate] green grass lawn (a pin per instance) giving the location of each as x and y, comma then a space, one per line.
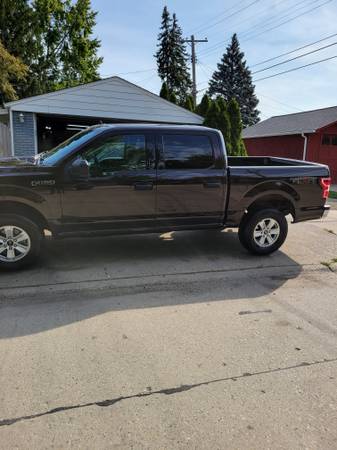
333, 194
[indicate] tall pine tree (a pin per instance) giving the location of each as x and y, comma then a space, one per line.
233, 79
172, 57
164, 52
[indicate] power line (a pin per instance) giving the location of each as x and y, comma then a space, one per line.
293, 51
218, 45
293, 59
291, 107
284, 13
128, 73
295, 68
228, 17
287, 21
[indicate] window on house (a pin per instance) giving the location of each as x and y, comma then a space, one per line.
326, 139
334, 139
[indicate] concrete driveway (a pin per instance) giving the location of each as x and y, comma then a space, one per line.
178, 341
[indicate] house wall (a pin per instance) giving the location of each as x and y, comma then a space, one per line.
292, 147
324, 154
283, 146
24, 134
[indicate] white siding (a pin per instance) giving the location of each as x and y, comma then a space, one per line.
112, 98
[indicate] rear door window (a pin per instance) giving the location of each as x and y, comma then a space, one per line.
187, 151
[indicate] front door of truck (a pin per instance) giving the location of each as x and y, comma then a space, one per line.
120, 191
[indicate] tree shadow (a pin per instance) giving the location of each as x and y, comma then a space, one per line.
77, 279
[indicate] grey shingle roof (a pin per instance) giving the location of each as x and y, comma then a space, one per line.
303, 122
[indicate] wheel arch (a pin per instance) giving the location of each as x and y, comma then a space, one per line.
21, 209
273, 200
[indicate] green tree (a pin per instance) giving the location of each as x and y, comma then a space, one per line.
233, 79
173, 98
54, 39
164, 92
188, 103
172, 57
224, 123
237, 145
11, 68
181, 83
212, 116
203, 106
164, 52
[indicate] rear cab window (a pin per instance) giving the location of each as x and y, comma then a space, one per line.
187, 151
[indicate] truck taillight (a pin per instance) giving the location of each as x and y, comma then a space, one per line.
325, 185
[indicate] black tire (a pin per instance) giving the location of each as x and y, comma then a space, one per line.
35, 236
249, 224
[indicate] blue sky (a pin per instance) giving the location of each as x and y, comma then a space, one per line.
128, 32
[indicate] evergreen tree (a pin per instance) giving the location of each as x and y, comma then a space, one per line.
224, 124
212, 116
188, 103
11, 68
180, 77
164, 52
173, 98
237, 145
172, 57
164, 92
233, 79
54, 39
203, 106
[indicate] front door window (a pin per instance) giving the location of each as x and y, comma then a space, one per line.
116, 154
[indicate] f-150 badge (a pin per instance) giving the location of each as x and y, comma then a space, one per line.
42, 183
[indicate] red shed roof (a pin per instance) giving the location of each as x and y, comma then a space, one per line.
297, 123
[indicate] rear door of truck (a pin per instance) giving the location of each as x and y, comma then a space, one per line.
191, 178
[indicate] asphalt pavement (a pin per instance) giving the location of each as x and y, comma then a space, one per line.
177, 341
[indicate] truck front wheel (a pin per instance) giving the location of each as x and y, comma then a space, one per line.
20, 241
263, 231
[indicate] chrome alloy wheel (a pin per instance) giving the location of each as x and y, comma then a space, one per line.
266, 232
15, 243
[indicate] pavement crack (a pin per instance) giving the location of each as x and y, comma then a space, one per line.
168, 391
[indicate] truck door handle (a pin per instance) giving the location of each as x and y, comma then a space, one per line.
212, 184
143, 186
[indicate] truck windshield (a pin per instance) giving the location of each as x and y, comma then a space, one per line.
53, 156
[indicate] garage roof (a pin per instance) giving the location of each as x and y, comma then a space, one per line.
303, 122
111, 98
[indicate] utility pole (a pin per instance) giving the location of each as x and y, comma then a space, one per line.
193, 41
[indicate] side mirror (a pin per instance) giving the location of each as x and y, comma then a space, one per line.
79, 170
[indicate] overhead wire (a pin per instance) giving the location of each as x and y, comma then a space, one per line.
248, 37
294, 58
295, 68
293, 51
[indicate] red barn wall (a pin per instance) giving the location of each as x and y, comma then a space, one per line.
283, 146
292, 147
324, 154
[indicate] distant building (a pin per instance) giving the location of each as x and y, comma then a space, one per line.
309, 135
41, 122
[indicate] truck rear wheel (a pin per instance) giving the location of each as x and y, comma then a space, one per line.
20, 241
264, 231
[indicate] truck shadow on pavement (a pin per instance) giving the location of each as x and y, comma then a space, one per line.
81, 278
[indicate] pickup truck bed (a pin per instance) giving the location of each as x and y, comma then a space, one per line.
139, 178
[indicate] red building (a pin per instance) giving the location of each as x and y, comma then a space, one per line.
309, 135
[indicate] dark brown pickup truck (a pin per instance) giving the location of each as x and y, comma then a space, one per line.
127, 178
